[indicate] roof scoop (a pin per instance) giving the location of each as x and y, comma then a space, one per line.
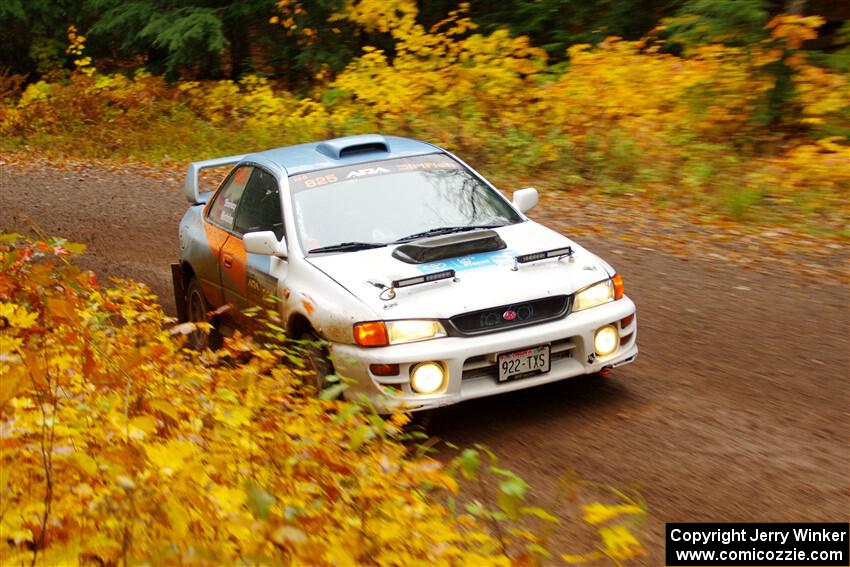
339, 148
450, 246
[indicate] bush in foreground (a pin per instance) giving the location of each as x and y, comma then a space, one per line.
120, 447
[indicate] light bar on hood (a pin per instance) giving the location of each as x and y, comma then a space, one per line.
426, 278
535, 256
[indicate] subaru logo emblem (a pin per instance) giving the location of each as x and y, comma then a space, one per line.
509, 315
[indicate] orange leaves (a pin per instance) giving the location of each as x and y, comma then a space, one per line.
794, 29
150, 447
62, 310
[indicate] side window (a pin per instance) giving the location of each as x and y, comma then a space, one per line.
259, 208
223, 209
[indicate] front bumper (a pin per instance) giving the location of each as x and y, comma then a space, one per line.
471, 361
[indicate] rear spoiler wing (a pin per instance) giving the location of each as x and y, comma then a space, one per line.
191, 186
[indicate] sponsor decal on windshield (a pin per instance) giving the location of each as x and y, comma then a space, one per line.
367, 171
324, 177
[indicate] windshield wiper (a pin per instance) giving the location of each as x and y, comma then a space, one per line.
445, 230
348, 247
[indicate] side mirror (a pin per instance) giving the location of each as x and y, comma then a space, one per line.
524, 199
264, 243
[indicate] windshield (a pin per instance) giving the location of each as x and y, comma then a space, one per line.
377, 203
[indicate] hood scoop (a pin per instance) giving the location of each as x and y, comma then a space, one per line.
451, 246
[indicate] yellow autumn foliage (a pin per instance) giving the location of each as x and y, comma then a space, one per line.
118, 446
695, 129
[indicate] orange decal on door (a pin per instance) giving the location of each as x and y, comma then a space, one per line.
234, 258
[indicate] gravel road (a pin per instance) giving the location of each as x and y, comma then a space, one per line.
737, 409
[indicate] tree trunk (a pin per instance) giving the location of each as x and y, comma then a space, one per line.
796, 7
240, 50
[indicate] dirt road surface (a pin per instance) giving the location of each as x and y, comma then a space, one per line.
737, 409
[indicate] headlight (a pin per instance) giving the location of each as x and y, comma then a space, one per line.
597, 294
414, 330
381, 333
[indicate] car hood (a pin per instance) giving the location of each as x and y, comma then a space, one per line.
483, 280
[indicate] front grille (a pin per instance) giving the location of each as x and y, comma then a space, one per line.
509, 316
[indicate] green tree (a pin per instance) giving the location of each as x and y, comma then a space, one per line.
556, 24
202, 36
732, 22
214, 38
33, 34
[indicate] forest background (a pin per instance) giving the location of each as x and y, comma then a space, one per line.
733, 109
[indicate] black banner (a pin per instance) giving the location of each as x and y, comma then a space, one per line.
758, 544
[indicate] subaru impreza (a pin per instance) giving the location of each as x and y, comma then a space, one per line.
422, 283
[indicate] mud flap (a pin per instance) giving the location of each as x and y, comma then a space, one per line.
179, 293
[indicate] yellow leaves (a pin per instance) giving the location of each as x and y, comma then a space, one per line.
16, 316
76, 43
339, 555
822, 94
141, 426
178, 519
577, 50
229, 499
400, 419
619, 543
397, 17
38, 91
9, 347
172, 456
76, 46
14, 378
835, 144
599, 513
86, 464
111, 83
4, 481
166, 408
232, 413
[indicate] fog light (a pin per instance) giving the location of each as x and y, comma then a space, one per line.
606, 340
427, 377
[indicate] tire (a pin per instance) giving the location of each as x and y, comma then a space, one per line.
197, 309
319, 365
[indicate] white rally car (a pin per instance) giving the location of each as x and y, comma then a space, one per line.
426, 286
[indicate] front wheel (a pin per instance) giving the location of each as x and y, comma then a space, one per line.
318, 363
197, 308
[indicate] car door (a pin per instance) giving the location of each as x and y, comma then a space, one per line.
219, 220
248, 279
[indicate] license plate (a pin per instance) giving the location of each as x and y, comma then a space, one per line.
530, 361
